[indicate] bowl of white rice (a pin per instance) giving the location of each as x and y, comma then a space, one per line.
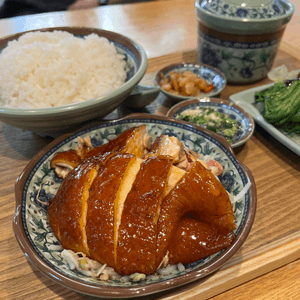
54, 79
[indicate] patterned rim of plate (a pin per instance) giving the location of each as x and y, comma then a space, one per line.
43, 249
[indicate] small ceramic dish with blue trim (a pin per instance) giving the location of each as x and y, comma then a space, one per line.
220, 116
211, 75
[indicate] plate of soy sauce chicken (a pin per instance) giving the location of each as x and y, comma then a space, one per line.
133, 207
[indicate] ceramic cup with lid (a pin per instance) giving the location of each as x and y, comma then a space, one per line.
241, 37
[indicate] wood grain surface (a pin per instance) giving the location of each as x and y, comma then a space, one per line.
267, 266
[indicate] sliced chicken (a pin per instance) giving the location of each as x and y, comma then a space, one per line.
165, 145
67, 212
135, 140
64, 162
198, 240
84, 146
138, 228
126, 207
107, 194
197, 191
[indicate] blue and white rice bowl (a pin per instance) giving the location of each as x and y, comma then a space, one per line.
55, 121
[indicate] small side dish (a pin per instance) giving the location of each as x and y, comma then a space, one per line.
220, 116
281, 105
186, 81
275, 106
214, 120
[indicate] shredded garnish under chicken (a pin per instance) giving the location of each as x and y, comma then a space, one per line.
89, 267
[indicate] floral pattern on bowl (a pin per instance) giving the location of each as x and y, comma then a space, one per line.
241, 38
267, 10
241, 62
209, 73
235, 112
38, 184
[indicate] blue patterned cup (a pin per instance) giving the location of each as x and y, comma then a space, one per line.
241, 38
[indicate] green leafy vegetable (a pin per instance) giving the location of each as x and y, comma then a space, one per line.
282, 106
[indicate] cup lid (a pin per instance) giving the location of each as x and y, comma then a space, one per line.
248, 15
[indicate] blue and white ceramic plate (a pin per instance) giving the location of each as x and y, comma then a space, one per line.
38, 183
244, 121
246, 99
210, 74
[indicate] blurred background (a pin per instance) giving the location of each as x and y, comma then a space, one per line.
15, 8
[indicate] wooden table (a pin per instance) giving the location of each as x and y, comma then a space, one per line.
267, 266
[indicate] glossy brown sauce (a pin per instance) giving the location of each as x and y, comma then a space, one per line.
197, 191
74, 197
70, 158
116, 145
100, 215
195, 240
138, 228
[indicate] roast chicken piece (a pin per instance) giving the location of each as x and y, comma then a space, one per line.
167, 145
170, 145
138, 229
197, 191
135, 140
128, 210
184, 158
65, 161
105, 205
195, 240
67, 212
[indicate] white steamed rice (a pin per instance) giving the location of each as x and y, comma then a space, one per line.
47, 69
